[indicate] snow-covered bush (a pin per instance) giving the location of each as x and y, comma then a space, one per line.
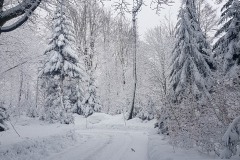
231, 139
146, 110
162, 125
32, 111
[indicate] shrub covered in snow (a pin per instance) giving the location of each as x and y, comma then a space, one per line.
147, 110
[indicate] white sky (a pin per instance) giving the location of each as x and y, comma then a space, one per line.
147, 18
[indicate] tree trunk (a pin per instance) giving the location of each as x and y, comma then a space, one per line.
134, 13
20, 90
37, 92
61, 92
136, 6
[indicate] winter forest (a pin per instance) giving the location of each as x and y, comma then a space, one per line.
79, 81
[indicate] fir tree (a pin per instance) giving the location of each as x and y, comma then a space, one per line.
61, 63
191, 60
228, 45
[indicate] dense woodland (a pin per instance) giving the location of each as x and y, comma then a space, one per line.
80, 57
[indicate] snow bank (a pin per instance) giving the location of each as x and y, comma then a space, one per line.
160, 149
102, 120
36, 149
38, 139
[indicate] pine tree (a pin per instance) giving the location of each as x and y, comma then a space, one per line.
191, 60
61, 64
228, 45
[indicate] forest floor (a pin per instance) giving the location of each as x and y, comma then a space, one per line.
99, 137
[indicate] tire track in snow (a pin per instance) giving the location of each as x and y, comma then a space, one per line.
88, 147
107, 145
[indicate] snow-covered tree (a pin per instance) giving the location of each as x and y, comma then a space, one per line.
189, 117
90, 101
191, 59
87, 16
228, 45
62, 63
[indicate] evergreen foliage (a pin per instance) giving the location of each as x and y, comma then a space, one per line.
231, 139
3, 117
90, 103
228, 45
191, 59
61, 67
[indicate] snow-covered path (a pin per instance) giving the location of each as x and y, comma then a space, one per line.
107, 145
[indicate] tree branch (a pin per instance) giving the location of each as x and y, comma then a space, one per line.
14, 67
157, 4
25, 8
1, 5
137, 7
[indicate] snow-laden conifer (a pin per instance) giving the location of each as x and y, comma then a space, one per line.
191, 60
61, 54
228, 45
61, 64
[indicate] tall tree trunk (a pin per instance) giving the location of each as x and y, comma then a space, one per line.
134, 14
134, 66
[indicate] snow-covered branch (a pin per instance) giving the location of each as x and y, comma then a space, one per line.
1, 5
24, 8
157, 4
231, 139
137, 7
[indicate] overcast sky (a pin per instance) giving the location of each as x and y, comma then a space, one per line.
147, 18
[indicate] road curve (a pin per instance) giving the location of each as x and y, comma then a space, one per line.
107, 145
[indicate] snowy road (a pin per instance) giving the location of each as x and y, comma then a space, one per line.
106, 138
107, 145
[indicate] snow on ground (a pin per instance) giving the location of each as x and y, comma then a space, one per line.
99, 137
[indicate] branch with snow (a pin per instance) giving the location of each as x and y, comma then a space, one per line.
231, 139
25, 8
137, 7
157, 4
